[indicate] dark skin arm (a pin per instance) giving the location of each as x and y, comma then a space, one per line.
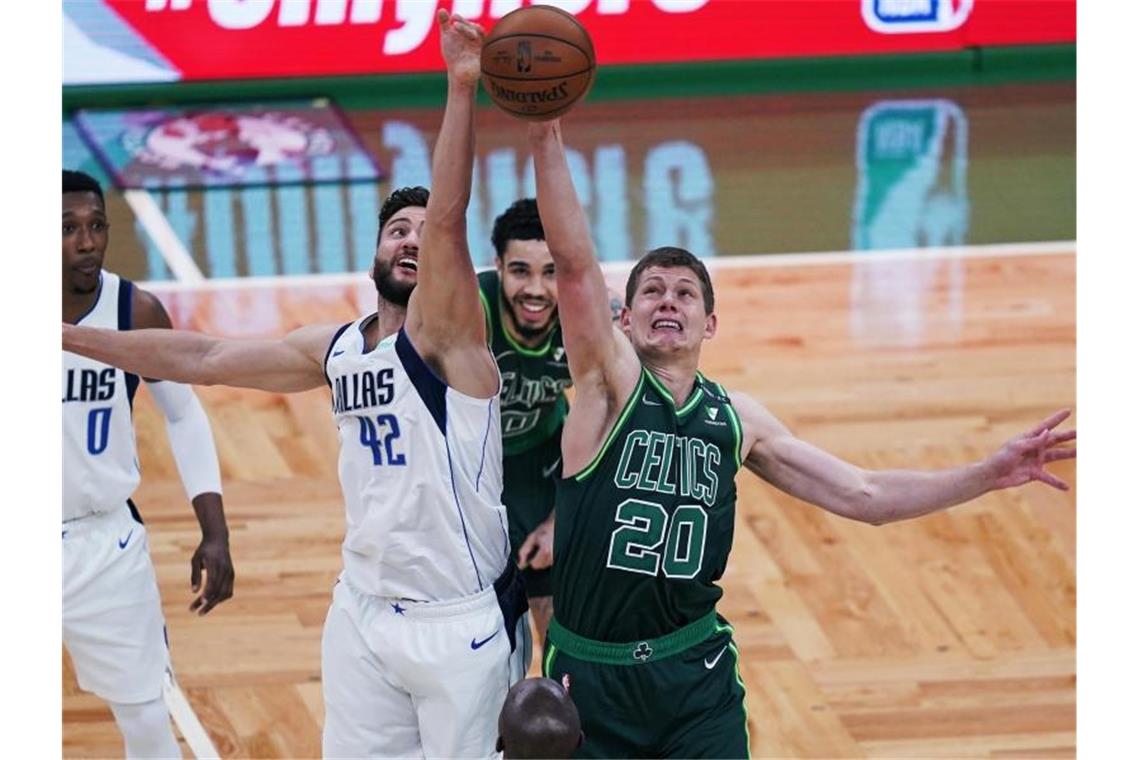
213, 552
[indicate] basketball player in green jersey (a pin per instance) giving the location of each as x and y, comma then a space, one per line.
520, 300
644, 512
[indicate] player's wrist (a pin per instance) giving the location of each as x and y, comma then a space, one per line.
462, 84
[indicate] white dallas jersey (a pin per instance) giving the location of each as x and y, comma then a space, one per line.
422, 473
100, 465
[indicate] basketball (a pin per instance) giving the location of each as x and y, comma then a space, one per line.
537, 62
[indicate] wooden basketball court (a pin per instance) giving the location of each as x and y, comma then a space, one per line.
951, 635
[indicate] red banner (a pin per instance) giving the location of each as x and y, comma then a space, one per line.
223, 39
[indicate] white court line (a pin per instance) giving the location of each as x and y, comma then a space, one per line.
164, 237
187, 722
1048, 248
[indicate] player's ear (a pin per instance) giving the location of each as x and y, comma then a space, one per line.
623, 318
581, 738
710, 326
499, 263
499, 746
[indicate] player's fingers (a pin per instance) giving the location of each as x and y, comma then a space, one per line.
442, 17
194, 605
195, 573
472, 30
1052, 455
214, 579
1050, 422
226, 589
1049, 480
1068, 435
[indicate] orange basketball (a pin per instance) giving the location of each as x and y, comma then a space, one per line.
538, 62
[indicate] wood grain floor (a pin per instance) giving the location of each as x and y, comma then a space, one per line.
952, 635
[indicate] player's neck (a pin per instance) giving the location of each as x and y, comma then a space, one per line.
678, 376
389, 319
75, 305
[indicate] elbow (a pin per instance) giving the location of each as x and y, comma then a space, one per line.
868, 506
205, 371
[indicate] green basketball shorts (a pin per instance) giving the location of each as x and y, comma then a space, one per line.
665, 697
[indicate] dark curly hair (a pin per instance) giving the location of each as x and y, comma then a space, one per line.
668, 256
401, 198
519, 222
78, 182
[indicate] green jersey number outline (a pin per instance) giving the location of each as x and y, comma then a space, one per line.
645, 526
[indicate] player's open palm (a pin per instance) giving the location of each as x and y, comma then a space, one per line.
461, 42
1023, 459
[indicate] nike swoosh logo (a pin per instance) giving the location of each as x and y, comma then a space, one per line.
650, 402
338, 353
123, 542
715, 660
476, 644
547, 471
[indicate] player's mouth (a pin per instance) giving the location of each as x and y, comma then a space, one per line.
88, 267
408, 263
670, 325
533, 310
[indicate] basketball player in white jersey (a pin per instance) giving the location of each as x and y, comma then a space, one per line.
424, 636
112, 615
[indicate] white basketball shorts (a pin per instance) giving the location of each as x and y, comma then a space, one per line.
416, 679
112, 615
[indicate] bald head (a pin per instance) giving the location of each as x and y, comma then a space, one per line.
538, 720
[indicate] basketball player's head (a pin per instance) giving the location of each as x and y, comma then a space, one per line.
396, 262
85, 230
668, 304
529, 293
538, 719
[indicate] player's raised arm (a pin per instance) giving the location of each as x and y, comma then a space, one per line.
284, 365
597, 352
881, 496
445, 319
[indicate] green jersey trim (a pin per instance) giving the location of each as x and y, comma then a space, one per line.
630, 405
531, 352
737, 427
723, 628
690, 404
632, 652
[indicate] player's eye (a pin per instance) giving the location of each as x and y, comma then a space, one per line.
68, 229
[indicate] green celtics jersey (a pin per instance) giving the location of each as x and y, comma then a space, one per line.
643, 532
533, 402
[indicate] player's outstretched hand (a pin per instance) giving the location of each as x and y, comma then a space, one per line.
537, 551
461, 42
538, 131
213, 556
1023, 459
